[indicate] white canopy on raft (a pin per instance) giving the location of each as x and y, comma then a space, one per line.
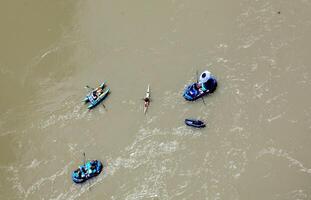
204, 76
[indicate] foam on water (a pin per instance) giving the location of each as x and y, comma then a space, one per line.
283, 154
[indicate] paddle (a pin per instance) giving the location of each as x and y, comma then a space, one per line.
84, 158
88, 87
198, 82
104, 106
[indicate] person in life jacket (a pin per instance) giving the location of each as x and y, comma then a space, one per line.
82, 172
91, 167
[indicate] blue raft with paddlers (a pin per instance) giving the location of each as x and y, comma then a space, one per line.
198, 90
93, 98
194, 123
87, 171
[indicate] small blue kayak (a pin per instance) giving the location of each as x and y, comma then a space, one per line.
194, 123
89, 170
192, 93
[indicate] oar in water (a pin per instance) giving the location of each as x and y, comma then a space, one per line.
84, 161
88, 87
84, 158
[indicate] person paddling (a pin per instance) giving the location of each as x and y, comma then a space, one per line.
147, 100
96, 93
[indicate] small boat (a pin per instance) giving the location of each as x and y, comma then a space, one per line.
87, 171
192, 93
194, 123
95, 102
147, 100
86, 99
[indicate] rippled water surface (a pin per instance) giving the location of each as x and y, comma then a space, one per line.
257, 142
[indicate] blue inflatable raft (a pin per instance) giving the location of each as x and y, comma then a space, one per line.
192, 93
95, 101
89, 170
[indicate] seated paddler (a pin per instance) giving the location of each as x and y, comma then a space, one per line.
96, 93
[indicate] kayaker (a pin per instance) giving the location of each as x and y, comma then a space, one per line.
147, 101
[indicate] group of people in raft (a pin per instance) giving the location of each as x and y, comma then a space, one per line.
84, 172
206, 84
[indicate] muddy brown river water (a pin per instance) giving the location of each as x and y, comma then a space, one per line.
257, 142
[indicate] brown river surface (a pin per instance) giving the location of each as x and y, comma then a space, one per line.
257, 142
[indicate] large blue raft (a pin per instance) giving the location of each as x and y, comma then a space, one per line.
94, 102
192, 93
89, 170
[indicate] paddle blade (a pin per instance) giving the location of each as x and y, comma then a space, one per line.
84, 158
88, 87
203, 100
197, 75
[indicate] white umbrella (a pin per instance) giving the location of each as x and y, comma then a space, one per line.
204, 76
